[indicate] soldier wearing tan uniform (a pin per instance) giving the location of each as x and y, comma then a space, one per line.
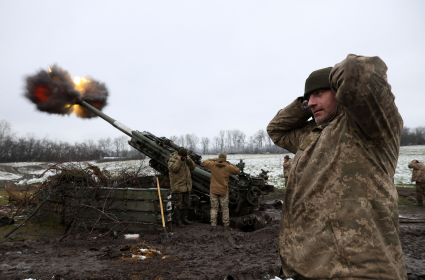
219, 188
179, 166
340, 217
286, 166
418, 175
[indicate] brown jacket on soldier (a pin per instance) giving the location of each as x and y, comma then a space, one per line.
340, 216
220, 173
418, 174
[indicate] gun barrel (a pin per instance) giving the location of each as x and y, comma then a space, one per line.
107, 118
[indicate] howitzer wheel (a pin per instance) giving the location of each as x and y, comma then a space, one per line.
251, 197
234, 197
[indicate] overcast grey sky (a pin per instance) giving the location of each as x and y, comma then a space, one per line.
177, 67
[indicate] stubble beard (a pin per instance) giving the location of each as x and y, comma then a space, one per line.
324, 117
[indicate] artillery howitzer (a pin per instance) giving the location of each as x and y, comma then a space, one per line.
244, 190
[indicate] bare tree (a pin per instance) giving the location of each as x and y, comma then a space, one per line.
174, 138
259, 139
105, 145
6, 137
216, 144
238, 139
120, 144
221, 135
205, 141
228, 140
181, 141
191, 141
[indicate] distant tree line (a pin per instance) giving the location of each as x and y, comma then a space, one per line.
413, 136
29, 148
231, 141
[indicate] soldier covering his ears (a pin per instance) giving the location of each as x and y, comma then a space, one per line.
418, 176
286, 166
340, 216
179, 166
219, 189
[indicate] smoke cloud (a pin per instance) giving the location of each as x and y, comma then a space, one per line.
55, 92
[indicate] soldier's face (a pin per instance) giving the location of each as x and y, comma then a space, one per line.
323, 104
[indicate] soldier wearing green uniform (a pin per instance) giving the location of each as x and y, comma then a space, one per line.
418, 176
179, 166
286, 166
340, 217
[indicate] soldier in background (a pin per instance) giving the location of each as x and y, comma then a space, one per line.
286, 166
340, 217
219, 188
180, 165
418, 175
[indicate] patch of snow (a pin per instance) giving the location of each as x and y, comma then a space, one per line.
131, 236
253, 165
9, 176
21, 164
138, 256
147, 250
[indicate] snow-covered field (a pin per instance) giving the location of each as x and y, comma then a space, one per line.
22, 173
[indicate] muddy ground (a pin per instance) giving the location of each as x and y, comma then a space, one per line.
192, 252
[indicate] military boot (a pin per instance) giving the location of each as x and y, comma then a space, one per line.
420, 203
184, 217
176, 218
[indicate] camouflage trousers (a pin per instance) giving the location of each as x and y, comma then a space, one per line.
216, 201
181, 200
286, 180
420, 191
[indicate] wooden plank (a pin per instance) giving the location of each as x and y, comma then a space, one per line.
134, 205
145, 217
128, 193
135, 194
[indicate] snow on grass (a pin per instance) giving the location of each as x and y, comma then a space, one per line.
21, 164
403, 174
253, 166
9, 176
116, 166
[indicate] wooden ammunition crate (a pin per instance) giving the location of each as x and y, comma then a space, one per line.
137, 208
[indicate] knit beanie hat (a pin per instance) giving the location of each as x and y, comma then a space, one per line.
183, 152
222, 155
318, 79
287, 157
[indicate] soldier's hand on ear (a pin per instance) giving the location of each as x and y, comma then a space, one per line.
306, 108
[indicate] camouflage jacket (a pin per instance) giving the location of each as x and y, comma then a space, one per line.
340, 215
418, 173
180, 176
286, 167
220, 173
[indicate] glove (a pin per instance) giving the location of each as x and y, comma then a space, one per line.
307, 109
